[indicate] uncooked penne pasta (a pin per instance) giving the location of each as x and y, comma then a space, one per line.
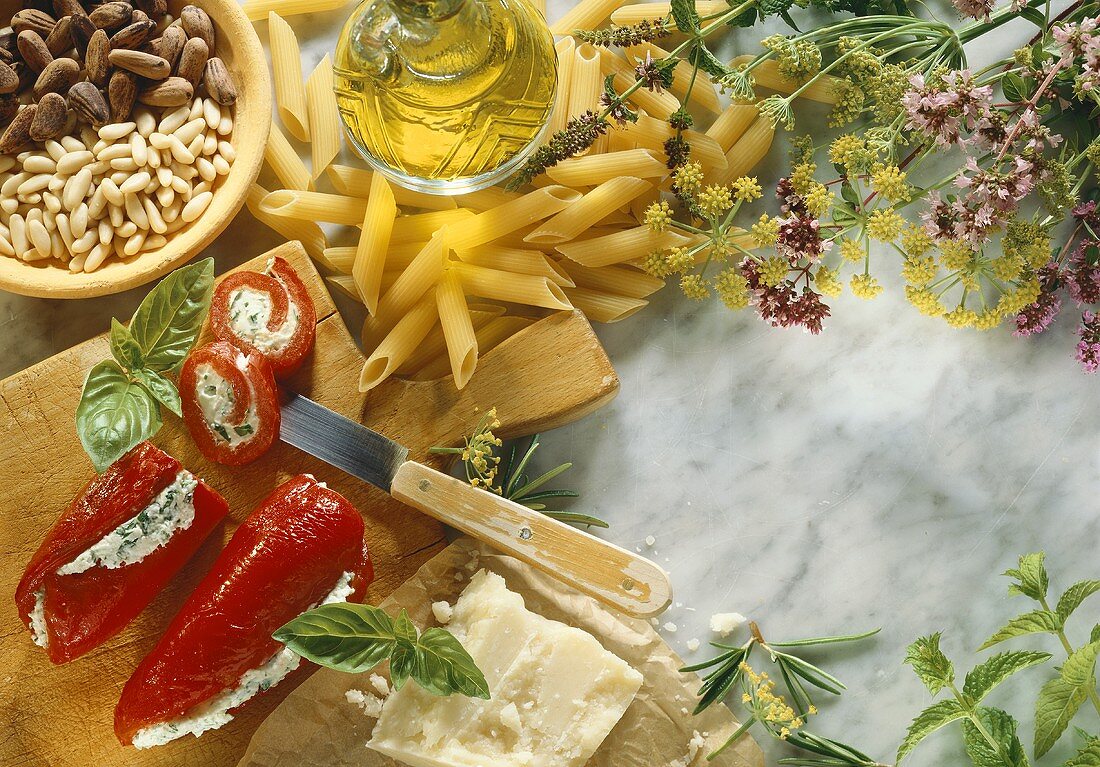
594, 206
598, 168
655, 104
370, 255
585, 81
257, 10
307, 232
421, 227
619, 280
620, 246
483, 199
356, 182
703, 94
285, 162
748, 150
651, 133
512, 288
435, 343
587, 14
522, 211
515, 260
416, 280
732, 124
766, 73
604, 307
629, 15
399, 343
566, 52
286, 67
315, 206
488, 336
458, 329
342, 258
345, 284
641, 203
324, 116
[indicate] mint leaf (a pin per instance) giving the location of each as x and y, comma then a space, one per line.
929, 663
114, 414
343, 636
1074, 596
1030, 576
1094, 635
984, 677
163, 390
124, 348
1087, 756
1058, 703
1034, 622
167, 323
927, 722
1002, 728
443, 666
685, 16
701, 57
1080, 667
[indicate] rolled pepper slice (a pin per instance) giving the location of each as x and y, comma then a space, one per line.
269, 313
113, 550
230, 403
302, 546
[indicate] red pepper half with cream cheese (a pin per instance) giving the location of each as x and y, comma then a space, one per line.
119, 543
302, 547
230, 403
270, 313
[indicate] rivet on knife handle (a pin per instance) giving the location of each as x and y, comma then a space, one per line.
602, 570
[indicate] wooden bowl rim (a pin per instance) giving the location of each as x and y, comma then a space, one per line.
50, 280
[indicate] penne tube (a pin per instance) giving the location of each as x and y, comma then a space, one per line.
511, 288
306, 232
596, 169
604, 307
416, 280
399, 343
749, 150
618, 218
324, 116
435, 344
342, 258
585, 87
483, 199
640, 203
285, 162
515, 260
621, 246
766, 73
258, 10
286, 67
315, 206
345, 284
355, 182
458, 328
619, 280
566, 51
421, 227
488, 336
703, 93
587, 14
628, 15
374, 242
655, 104
650, 133
732, 124
504, 219
620, 141
604, 200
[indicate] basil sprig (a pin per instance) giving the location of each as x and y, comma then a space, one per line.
355, 638
120, 404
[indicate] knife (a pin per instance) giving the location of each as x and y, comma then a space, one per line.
600, 569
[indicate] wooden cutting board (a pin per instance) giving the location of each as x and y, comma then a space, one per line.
549, 374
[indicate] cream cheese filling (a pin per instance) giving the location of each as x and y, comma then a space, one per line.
216, 400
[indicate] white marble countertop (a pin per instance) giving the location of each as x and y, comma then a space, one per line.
881, 474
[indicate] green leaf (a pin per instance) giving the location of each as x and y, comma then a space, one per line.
1074, 596
1013, 86
443, 666
167, 323
403, 658
701, 57
1080, 667
1087, 756
1094, 635
685, 16
1058, 703
1002, 728
160, 387
124, 348
774, 7
927, 722
984, 677
343, 636
1034, 622
929, 663
1035, 16
114, 414
1030, 576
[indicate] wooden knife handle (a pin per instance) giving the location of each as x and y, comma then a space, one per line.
602, 570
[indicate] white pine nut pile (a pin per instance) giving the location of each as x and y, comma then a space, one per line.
118, 191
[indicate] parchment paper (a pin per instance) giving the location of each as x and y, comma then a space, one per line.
317, 727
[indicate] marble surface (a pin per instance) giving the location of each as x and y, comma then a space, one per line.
881, 474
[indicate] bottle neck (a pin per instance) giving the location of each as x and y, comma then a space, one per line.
443, 39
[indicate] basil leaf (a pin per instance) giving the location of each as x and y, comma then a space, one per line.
168, 321
443, 666
343, 636
114, 414
161, 388
124, 348
404, 658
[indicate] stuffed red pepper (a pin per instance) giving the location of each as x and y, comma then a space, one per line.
302, 547
230, 403
269, 313
123, 538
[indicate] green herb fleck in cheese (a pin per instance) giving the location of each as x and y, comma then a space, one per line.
216, 401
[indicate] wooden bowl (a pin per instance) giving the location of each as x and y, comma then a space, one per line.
240, 48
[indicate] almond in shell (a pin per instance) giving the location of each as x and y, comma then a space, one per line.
133, 35
89, 104
57, 77
193, 60
33, 19
60, 40
81, 30
154, 8
122, 92
95, 58
196, 23
170, 44
68, 8
220, 83
173, 92
33, 49
19, 131
49, 121
9, 105
111, 16
9, 80
142, 64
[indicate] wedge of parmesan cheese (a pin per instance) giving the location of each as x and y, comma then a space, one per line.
556, 692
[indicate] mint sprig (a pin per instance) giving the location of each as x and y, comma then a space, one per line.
355, 638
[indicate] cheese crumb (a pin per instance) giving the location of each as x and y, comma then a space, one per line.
442, 612
380, 684
695, 745
369, 704
725, 624
670, 627
692, 645
509, 717
650, 540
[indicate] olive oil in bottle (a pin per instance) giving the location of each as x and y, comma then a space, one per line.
445, 96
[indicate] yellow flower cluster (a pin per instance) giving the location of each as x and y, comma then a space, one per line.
889, 181
961, 317
694, 287
919, 270
924, 300
850, 152
915, 241
1007, 267
885, 224
479, 451
689, 178
768, 706
865, 286
1024, 294
802, 177
658, 215
679, 259
747, 189
956, 254
850, 250
732, 288
765, 231
714, 201
825, 279
818, 199
773, 271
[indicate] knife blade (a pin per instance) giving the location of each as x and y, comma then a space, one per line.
606, 572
